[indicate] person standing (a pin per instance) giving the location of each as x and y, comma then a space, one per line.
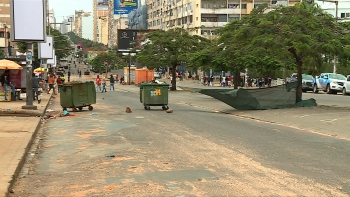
116, 79
98, 82
79, 73
59, 83
35, 81
68, 76
211, 80
104, 85
111, 83
5, 81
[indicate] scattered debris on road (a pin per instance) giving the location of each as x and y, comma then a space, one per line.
169, 111
128, 110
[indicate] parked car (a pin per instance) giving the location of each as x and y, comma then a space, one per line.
346, 87
307, 82
330, 83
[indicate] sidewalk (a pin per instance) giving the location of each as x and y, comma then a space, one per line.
16, 137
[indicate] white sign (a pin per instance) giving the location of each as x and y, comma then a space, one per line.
45, 50
52, 60
28, 20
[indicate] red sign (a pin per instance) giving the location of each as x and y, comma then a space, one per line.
16, 78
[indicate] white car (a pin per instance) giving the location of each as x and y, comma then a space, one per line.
329, 82
346, 87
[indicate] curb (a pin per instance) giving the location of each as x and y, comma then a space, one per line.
27, 149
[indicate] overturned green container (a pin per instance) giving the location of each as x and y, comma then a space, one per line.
78, 95
154, 95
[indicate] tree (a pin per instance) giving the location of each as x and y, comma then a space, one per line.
94, 46
301, 32
106, 58
233, 51
168, 48
61, 45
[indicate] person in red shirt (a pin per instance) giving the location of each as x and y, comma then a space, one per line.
59, 82
98, 82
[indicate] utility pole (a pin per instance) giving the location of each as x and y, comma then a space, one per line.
29, 78
336, 19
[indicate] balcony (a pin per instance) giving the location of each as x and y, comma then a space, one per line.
213, 24
221, 11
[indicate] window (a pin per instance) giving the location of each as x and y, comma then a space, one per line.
233, 6
233, 18
344, 15
2, 34
244, 6
209, 19
222, 18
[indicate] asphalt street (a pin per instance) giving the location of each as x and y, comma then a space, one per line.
329, 99
190, 152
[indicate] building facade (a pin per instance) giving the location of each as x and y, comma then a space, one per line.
78, 22
87, 26
99, 9
102, 30
5, 26
208, 14
137, 19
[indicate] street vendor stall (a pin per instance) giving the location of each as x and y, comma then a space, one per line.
8, 68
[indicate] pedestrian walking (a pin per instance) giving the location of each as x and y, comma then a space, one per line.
211, 80
111, 83
79, 73
98, 82
104, 85
51, 84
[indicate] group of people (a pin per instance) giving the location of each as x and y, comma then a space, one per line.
101, 83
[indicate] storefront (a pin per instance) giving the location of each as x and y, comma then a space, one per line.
18, 77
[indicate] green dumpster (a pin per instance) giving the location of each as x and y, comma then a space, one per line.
78, 95
154, 95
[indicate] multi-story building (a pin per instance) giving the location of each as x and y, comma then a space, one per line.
77, 24
51, 19
64, 28
102, 31
87, 26
5, 26
100, 9
208, 14
137, 19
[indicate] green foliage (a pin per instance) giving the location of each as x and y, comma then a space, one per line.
302, 36
94, 46
169, 48
113, 61
61, 45
2, 53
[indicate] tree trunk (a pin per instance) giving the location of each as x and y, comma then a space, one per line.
299, 63
173, 80
299, 93
236, 79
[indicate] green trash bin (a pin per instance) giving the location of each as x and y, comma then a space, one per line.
154, 95
78, 95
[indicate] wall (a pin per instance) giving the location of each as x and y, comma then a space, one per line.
87, 27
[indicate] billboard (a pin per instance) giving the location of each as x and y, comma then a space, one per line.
125, 38
102, 4
28, 26
124, 6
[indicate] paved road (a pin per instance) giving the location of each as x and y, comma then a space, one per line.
329, 99
191, 152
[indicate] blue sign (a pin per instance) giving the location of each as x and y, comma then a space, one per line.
124, 6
